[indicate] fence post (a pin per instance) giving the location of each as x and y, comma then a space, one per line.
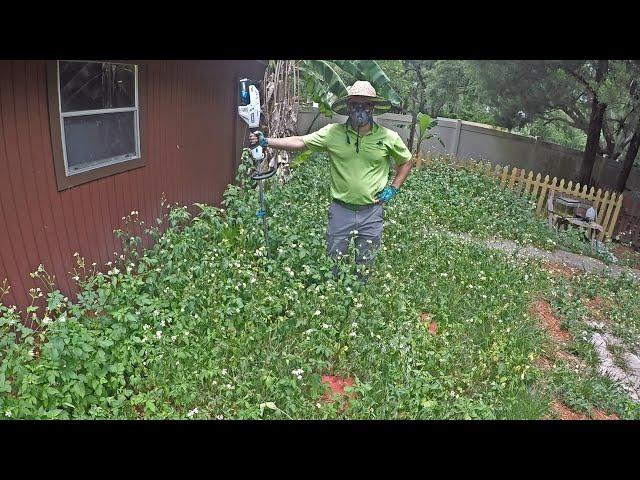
456, 138
543, 193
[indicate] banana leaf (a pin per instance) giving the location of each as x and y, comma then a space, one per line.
370, 71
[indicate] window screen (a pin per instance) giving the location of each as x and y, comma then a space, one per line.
99, 114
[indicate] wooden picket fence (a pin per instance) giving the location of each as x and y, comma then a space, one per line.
607, 204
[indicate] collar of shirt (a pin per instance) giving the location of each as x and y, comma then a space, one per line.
374, 129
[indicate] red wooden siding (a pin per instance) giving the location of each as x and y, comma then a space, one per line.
190, 136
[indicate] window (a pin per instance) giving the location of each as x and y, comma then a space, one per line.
96, 108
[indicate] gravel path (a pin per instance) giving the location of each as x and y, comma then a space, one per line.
586, 264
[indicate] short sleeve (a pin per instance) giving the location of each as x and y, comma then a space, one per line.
398, 150
317, 141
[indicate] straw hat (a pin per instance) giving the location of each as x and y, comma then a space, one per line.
361, 89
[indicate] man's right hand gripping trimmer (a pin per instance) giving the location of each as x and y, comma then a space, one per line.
249, 111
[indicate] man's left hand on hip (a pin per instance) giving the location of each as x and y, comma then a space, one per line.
386, 194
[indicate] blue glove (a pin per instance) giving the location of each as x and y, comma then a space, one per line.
262, 140
387, 194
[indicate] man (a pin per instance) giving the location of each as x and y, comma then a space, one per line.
359, 152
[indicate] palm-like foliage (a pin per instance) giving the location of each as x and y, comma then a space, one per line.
321, 80
324, 80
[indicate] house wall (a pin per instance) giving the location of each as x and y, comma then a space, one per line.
191, 137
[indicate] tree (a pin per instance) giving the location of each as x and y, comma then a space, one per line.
520, 92
596, 117
621, 126
436, 88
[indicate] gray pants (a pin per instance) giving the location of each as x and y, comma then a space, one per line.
344, 222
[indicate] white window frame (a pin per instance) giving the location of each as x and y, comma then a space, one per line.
113, 160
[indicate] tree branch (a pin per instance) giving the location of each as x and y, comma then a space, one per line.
608, 138
579, 121
580, 80
558, 119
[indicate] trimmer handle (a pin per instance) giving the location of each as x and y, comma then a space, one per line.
258, 155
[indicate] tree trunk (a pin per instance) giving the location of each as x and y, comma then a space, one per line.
412, 131
595, 126
312, 122
593, 141
629, 159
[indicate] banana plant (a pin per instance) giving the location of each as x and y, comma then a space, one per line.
372, 72
425, 124
324, 81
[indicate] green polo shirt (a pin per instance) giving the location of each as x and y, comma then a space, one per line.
357, 177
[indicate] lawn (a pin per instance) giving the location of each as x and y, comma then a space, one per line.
208, 324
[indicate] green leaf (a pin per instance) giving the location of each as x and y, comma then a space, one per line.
326, 74
79, 389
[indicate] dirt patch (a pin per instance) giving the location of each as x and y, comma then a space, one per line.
335, 389
426, 318
543, 363
561, 269
570, 358
561, 411
565, 413
596, 304
542, 310
625, 252
597, 307
598, 414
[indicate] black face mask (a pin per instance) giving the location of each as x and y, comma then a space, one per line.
360, 115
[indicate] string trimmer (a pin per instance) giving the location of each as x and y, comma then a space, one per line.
249, 111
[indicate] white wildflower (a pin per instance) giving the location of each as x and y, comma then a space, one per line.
192, 412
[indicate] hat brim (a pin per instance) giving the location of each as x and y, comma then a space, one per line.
381, 105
